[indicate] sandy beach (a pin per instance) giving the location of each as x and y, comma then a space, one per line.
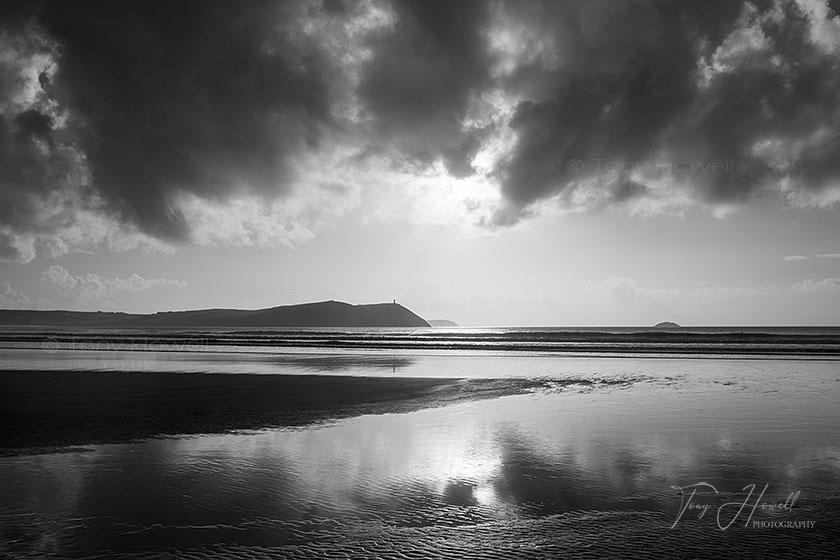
217, 444
46, 409
532, 467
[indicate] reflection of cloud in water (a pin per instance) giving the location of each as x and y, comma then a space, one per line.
536, 485
513, 468
460, 493
341, 362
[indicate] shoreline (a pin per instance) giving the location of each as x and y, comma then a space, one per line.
52, 410
801, 343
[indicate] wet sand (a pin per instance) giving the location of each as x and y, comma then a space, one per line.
582, 471
49, 409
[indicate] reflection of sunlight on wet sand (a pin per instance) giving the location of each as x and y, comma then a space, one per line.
512, 460
737, 373
607, 442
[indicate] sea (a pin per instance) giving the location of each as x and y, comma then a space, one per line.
692, 442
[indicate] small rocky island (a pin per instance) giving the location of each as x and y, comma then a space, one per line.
666, 325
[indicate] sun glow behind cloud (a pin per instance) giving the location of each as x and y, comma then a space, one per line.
474, 123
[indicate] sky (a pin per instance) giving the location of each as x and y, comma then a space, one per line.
489, 162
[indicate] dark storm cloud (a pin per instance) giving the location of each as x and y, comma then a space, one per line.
789, 93
30, 162
139, 103
31, 165
418, 86
202, 97
626, 73
629, 92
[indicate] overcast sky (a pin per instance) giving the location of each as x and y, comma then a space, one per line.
494, 163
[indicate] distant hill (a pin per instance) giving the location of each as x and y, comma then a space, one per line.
320, 314
442, 323
666, 325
